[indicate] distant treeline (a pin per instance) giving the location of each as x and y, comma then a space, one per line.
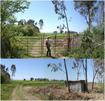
42, 79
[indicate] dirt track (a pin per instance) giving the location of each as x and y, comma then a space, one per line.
22, 93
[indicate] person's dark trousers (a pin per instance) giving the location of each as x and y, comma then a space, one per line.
48, 51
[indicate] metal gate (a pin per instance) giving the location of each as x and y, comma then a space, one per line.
35, 46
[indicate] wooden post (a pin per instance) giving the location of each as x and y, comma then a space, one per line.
55, 44
66, 75
27, 46
41, 44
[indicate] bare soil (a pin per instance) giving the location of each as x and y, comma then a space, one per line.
22, 93
52, 92
61, 93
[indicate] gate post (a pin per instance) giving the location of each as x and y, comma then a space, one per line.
55, 44
27, 46
41, 45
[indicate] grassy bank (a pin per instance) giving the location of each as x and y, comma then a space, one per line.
6, 90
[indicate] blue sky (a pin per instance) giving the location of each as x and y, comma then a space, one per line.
44, 9
37, 68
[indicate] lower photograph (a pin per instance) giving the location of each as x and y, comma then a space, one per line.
52, 79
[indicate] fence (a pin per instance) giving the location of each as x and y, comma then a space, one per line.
35, 46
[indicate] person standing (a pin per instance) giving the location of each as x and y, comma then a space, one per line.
48, 46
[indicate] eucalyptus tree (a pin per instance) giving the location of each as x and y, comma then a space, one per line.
41, 23
99, 17
98, 70
77, 67
55, 67
13, 69
87, 9
83, 64
60, 9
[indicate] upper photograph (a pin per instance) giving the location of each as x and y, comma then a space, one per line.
52, 28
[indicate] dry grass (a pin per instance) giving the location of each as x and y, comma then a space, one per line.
61, 93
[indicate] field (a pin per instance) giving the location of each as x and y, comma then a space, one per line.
46, 90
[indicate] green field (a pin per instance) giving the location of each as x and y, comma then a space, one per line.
7, 89
45, 90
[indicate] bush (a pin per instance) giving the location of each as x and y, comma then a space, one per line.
5, 77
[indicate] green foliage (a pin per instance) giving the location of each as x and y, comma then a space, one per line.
87, 43
5, 76
98, 33
27, 28
92, 43
87, 9
8, 42
8, 9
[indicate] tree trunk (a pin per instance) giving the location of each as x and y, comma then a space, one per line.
86, 80
93, 81
89, 23
66, 75
68, 44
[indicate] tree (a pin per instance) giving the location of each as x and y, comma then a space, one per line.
83, 63
4, 76
2, 67
41, 23
60, 9
7, 69
98, 70
99, 17
31, 78
77, 67
30, 22
61, 28
55, 67
87, 44
87, 9
24, 79
8, 42
66, 75
28, 28
22, 22
13, 69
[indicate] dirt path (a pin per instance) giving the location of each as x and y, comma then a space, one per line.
36, 49
22, 93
